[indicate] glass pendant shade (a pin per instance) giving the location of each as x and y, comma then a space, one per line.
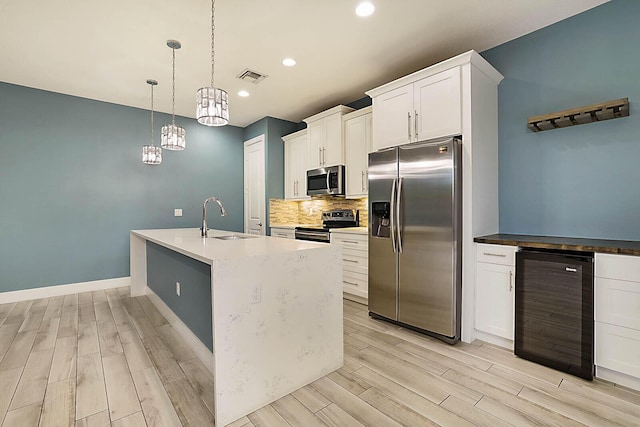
172, 137
151, 155
212, 106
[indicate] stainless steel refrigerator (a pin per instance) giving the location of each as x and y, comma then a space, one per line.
415, 219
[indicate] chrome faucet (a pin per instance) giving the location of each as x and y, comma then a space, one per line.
223, 212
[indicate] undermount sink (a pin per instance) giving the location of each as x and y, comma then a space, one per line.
233, 237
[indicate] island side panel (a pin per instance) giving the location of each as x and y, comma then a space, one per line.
138, 264
293, 336
165, 267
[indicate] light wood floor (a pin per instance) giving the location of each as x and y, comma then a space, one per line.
106, 359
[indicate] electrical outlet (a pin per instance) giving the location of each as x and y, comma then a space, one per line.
178, 288
254, 294
177, 212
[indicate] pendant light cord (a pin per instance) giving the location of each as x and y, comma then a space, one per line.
152, 115
213, 27
173, 94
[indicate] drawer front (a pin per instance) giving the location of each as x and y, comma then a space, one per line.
496, 254
349, 251
355, 281
618, 349
618, 302
286, 233
349, 268
351, 240
355, 263
622, 267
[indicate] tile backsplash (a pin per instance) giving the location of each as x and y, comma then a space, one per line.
310, 211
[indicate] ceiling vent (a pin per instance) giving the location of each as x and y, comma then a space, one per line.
251, 76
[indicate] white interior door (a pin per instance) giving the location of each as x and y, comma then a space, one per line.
254, 186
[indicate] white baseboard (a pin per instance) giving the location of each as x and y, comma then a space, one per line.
201, 350
60, 290
618, 378
494, 339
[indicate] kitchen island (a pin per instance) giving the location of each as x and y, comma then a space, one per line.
276, 311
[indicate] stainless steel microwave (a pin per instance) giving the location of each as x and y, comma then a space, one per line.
326, 181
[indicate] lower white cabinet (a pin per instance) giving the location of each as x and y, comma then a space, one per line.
284, 232
617, 316
355, 261
495, 282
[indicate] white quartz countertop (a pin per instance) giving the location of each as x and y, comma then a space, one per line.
188, 241
351, 230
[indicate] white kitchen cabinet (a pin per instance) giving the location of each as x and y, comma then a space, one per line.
428, 108
325, 137
283, 232
617, 318
355, 262
392, 118
357, 144
495, 281
437, 105
296, 153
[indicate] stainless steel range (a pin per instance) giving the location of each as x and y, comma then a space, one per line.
338, 218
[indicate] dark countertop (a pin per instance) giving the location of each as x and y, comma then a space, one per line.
624, 247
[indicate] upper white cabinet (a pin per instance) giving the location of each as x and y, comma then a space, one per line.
437, 105
357, 146
458, 96
429, 108
296, 155
325, 137
392, 118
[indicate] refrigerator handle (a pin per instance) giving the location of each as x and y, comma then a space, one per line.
392, 215
397, 211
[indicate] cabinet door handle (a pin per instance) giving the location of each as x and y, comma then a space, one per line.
409, 125
362, 180
350, 283
295, 187
490, 254
353, 242
510, 281
415, 124
324, 156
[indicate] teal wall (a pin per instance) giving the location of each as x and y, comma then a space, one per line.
273, 129
72, 185
580, 181
166, 267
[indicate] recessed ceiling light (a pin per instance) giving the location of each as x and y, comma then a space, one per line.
365, 9
243, 93
289, 62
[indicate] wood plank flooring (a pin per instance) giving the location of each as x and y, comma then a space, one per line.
106, 359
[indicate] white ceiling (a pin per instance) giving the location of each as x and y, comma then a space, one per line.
106, 50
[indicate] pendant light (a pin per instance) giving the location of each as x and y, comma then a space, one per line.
212, 103
173, 137
151, 154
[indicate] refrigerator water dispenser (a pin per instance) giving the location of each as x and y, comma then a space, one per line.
381, 219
